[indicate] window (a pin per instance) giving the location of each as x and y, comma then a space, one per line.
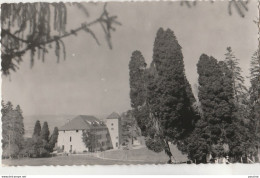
70, 148
112, 124
64, 131
112, 128
116, 137
116, 144
77, 130
70, 139
62, 147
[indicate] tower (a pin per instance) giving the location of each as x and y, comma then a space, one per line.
114, 126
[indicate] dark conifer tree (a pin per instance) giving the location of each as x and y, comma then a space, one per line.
53, 139
167, 113
239, 89
37, 129
137, 70
255, 100
171, 101
216, 98
12, 130
255, 78
45, 132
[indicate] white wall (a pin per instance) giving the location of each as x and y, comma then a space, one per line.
113, 127
76, 141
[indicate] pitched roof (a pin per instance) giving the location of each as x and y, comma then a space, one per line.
114, 115
83, 122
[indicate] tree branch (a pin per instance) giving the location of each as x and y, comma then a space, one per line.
35, 44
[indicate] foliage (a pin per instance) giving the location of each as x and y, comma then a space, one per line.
197, 145
12, 130
216, 98
13, 143
169, 93
232, 63
37, 129
155, 144
34, 27
239, 89
254, 92
90, 140
40, 145
137, 67
161, 96
53, 139
45, 132
255, 78
130, 129
220, 132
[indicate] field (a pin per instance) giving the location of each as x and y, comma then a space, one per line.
143, 154
136, 156
64, 160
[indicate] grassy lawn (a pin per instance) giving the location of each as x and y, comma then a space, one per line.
136, 156
64, 160
143, 154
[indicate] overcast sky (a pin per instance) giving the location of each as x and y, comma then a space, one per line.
95, 80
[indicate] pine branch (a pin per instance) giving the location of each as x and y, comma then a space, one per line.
35, 40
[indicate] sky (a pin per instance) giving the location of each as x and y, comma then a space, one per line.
95, 80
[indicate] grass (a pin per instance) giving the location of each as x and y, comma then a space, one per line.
143, 154
136, 156
64, 160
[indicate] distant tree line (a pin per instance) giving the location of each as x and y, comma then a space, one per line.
41, 144
15, 145
12, 130
224, 121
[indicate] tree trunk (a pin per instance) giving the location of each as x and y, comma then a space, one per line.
168, 152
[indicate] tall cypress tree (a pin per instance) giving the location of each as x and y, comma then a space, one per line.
37, 129
167, 109
53, 139
171, 101
138, 93
45, 132
20, 126
216, 98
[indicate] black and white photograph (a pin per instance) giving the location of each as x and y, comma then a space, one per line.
130, 83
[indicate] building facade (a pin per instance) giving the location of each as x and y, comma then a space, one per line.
95, 132
113, 123
88, 134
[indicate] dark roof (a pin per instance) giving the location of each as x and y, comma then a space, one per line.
114, 115
83, 122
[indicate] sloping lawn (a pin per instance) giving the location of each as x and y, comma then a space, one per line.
64, 160
143, 154
135, 156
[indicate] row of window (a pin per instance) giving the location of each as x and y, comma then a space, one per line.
96, 130
76, 131
96, 137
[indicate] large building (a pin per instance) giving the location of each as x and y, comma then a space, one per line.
99, 135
